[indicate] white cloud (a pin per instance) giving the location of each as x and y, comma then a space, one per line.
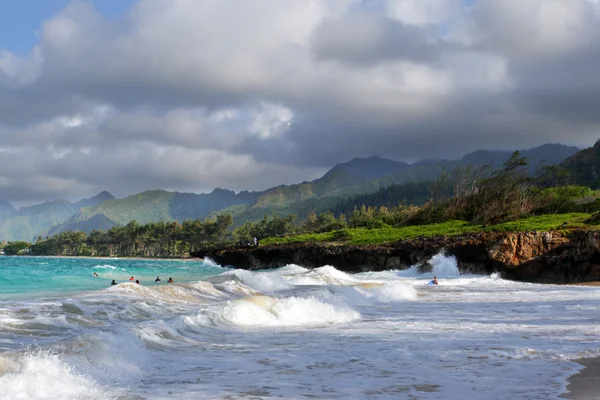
537, 27
271, 120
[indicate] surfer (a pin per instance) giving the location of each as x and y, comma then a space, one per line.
433, 282
113, 282
157, 279
171, 280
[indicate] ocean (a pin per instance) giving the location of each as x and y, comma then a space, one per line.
290, 333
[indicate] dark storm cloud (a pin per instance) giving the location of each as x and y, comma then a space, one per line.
568, 87
247, 95
455, 131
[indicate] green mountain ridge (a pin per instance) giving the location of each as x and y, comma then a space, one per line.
358, 176
538, 157
153, 206
581, 168
27, 223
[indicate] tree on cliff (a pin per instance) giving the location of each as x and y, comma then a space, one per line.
505, 194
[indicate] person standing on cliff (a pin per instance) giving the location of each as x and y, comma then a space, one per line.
255, 241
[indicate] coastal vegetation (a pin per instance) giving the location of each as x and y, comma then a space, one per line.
470, 199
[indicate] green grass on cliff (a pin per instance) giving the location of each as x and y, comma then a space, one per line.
450, 228
382, 235
546, 222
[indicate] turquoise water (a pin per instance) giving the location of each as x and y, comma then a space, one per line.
30, 277
290, 333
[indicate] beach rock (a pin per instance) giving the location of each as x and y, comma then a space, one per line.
514, 249
548, 257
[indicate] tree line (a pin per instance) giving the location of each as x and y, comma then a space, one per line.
477, 195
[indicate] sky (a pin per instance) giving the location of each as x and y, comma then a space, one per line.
189, 95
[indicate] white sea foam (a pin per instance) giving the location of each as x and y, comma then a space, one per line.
187, 293
106, 266
266, 282
390, 292
326, 275
209, 262
299, 333
42, 375
235, 288
269, 311
292, 269
579, 307
161, 335
444, 266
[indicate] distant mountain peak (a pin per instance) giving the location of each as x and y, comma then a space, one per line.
222, 191
582, 168
94, 201
369, 168
105, 194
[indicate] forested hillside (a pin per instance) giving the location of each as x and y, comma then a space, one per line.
371, 181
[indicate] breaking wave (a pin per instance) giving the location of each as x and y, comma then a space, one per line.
43, 375
269, 311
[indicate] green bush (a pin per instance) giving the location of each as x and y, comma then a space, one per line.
566, 199
342, 235
14, 248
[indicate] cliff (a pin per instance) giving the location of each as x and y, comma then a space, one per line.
545, 257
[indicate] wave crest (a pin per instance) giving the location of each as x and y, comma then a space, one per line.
268, 311
42, 375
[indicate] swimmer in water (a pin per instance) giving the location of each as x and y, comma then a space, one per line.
171, 280
434, 281
157, 279
138, 282
131, 279
95, 275
113, 282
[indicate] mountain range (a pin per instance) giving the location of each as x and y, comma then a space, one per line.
357, 176
27, 223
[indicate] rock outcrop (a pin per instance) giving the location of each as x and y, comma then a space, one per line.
548, 257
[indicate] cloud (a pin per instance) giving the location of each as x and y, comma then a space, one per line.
192, 95
536, 28
368, 39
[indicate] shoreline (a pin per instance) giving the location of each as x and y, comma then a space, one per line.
595, 284
117, 257
585, 384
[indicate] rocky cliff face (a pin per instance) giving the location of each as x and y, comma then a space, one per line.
548, 257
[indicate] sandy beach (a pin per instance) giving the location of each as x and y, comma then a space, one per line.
585, 385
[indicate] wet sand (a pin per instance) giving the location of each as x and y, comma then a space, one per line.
597, 283
585, 385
